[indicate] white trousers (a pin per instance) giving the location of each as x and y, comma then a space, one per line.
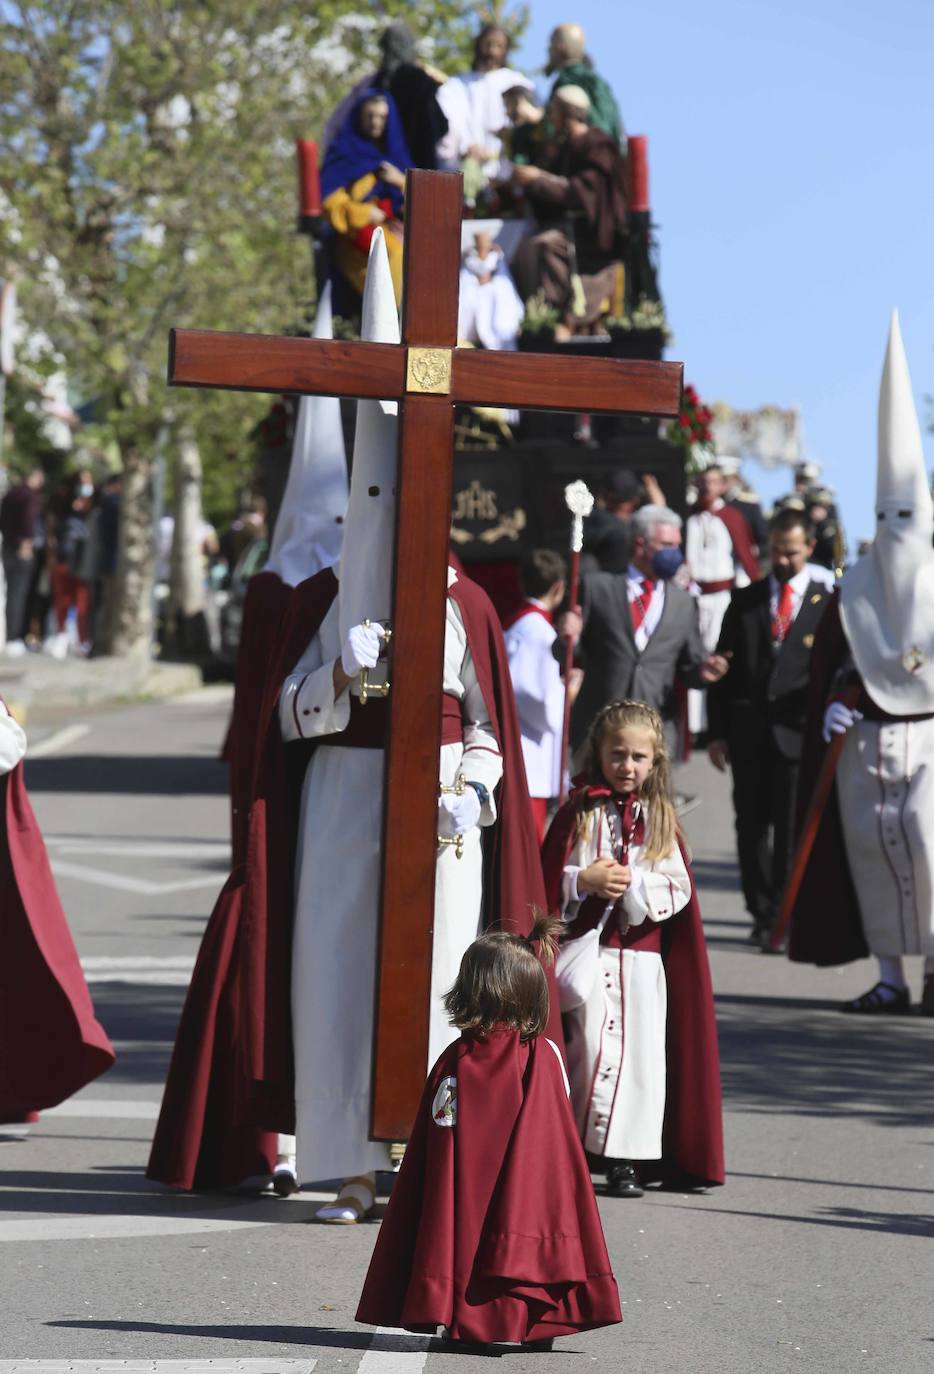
334, 954
616, 1057
885, 786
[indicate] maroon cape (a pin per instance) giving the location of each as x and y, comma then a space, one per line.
692, 1136
826, 927
207, 1135
492, 1228
265, 607
50, 1041
742, 544
231, 1080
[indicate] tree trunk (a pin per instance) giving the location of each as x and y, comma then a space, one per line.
129, 632
187, 630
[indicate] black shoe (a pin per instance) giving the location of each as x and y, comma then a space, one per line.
874, 1003
284, 1182
623, 1181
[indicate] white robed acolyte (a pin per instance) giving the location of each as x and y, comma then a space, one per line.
885, 781
310, 525
338, 865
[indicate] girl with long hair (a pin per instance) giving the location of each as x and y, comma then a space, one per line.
617, 874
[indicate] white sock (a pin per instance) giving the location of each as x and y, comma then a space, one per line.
891, 970
361, 1189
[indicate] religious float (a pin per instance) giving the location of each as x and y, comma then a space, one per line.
512, 464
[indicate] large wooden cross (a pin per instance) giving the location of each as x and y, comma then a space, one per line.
429, 376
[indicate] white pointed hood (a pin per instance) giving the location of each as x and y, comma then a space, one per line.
310, 525
887, 599
366, 564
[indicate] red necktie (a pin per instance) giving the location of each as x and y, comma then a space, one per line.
639, 607
781, 621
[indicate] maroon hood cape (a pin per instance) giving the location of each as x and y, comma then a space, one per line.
742, 544
206, 1136
692, 1136
826, 927
492, 1228
52, 1044
231, 1085
265, 607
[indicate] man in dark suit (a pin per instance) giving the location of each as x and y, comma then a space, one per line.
757, 711
636, 630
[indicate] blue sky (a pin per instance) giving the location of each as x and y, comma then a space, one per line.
792, 161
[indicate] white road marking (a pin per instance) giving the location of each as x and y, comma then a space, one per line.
395, 1352
142, 849
245, 1366
123, 883
69, 734
114, 1109
167, 971
218, 693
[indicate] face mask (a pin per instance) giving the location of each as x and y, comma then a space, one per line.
86, 489
666, 562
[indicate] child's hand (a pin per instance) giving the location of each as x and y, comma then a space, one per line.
604, 878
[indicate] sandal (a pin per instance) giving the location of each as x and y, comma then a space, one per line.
875, 1003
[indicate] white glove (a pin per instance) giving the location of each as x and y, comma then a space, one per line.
458, 814
838, 719
361, 648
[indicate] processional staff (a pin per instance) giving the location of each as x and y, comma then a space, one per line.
579, 500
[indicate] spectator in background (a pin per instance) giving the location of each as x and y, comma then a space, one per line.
743, 499
536, 677
249, 524
636, 630
607, 531
20, 536
71, 601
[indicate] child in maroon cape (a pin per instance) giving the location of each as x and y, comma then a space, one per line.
632, 972
492, 1229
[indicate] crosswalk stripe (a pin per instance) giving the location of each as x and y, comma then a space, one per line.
395, 1352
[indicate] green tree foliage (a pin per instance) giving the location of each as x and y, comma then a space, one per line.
147, 179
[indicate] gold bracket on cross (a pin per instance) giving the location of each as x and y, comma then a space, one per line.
428, 371
373, 689
457, 788
456, 840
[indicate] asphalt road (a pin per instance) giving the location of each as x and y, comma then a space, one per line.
815, 1256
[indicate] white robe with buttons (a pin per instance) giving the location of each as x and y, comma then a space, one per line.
616, 1040
885, 787
337, 883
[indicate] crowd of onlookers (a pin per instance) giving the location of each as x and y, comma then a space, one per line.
59, 547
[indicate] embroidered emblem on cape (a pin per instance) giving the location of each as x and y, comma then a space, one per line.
444, 1107
913, 660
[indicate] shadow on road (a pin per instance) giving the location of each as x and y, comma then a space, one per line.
848, 1218
141, 774
780, 1054
280, 1335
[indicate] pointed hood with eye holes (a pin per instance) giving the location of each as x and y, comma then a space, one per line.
887, 598
365, 572
310, 525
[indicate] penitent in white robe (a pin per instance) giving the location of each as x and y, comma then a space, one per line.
337, 900
616, 1039
885, 787
539, 689
710, 556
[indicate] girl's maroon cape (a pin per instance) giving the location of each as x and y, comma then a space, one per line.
207, 1135
515, 883
826, 928
51, 1043
692, 1135
492, 1228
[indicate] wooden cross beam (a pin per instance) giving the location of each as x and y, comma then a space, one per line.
429, 376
